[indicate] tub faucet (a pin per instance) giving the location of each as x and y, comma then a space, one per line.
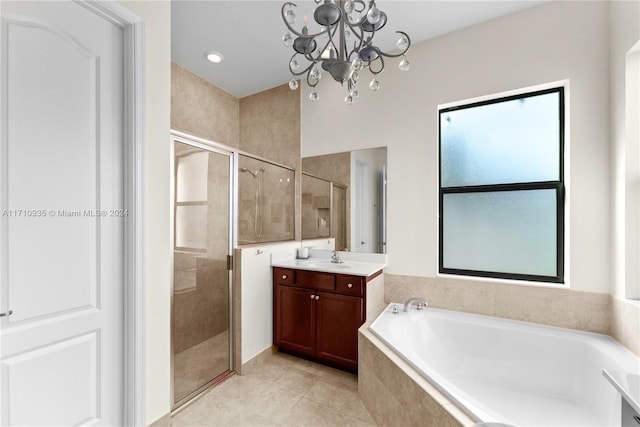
335, 258
421, 304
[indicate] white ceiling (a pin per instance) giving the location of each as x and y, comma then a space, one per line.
249, 34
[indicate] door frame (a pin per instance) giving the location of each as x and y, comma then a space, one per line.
134, 282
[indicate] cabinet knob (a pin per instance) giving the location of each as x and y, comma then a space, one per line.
317, 297
350, 285
284, 277
313, 296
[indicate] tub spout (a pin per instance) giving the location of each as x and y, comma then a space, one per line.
421, 304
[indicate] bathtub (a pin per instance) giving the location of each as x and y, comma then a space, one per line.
510, 372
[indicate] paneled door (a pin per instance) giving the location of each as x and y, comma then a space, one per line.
61, 215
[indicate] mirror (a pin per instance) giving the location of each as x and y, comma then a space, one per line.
354, 184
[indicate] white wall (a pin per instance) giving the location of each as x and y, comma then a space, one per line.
257, 297
547, 43
157, 15
624, 22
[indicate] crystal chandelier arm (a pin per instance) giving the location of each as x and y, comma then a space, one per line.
376, 72
395, 55
299, 73
311, 82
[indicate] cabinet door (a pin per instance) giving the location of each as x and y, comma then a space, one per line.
338, 319
294, 321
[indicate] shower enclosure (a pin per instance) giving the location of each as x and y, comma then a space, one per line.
200, 323
221, 198
266, 211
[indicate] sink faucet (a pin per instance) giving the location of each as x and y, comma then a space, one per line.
335, 258
421, 304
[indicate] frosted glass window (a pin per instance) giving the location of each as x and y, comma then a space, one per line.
503, 142
502, 187
502, 231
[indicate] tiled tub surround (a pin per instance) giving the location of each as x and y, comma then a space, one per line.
518, 373
550, 306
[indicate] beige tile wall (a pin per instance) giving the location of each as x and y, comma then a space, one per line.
201, 109
565, 308
395, 394
585, 311
270, 125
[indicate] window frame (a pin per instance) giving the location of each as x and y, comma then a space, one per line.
558, 185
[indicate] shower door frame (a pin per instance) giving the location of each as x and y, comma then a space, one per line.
232, 155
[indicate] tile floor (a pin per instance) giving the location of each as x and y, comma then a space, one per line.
281, 391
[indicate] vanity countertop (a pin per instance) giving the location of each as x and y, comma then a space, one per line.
354, 264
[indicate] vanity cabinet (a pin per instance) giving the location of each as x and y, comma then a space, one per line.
317, 315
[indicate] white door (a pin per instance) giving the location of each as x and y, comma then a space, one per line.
61, 199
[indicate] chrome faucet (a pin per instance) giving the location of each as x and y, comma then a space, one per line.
421, 304
335, 258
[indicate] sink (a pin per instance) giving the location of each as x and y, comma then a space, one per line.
327, 265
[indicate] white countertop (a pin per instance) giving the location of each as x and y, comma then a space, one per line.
628, 385
356, 264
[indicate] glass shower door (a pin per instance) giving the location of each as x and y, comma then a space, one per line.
200, 323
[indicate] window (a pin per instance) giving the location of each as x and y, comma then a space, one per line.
502, 187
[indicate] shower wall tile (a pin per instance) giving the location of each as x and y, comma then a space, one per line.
202, 109
565, 308
270, 125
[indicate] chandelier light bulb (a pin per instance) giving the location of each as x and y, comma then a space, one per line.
287, 40
293, 84
374, 85
373, 16
404, 64
313, 96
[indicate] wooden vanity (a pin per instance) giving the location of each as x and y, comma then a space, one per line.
317, 314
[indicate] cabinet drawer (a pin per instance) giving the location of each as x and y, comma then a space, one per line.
284, 276
351, 285
314, 280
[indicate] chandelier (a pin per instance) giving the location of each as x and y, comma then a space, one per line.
343, 47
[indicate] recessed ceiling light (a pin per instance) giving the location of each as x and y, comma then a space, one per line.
213, 56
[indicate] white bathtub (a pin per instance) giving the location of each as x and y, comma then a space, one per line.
511, 372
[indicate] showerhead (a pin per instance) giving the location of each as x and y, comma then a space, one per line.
253, 174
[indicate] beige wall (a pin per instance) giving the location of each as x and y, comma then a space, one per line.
270, 125
202, 109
